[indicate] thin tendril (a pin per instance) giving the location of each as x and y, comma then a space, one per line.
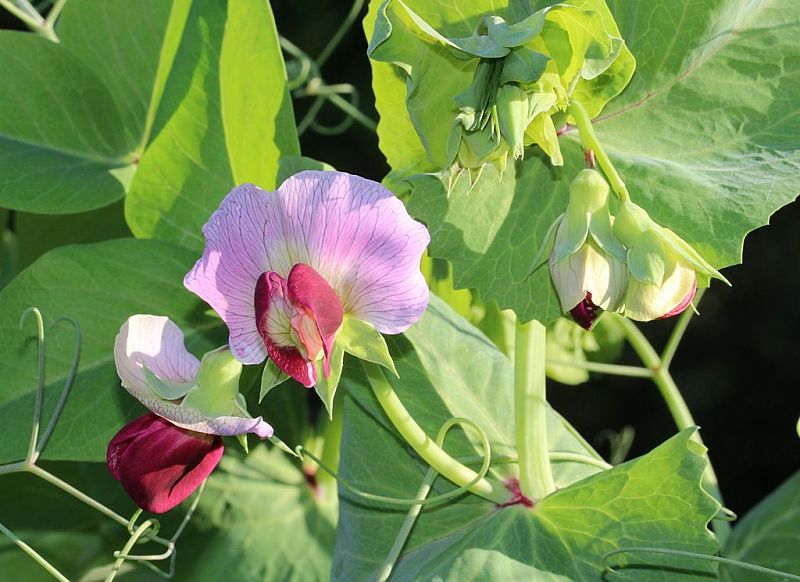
37, 407
695, 555
73, 372
413, 512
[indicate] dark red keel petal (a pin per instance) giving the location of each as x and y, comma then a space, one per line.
585, 312
291, 361
159, 464
310, 291
685, 302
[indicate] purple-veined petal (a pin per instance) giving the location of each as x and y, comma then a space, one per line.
160, 465
354, 232
155, 342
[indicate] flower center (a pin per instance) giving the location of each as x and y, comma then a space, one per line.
585, 312
298, 318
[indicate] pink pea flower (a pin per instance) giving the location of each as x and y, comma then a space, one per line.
162, 457
284, 269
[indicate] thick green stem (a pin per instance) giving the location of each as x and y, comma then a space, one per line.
677, 407
530, 410
590, 142
424, 446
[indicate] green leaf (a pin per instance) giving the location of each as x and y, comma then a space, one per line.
431, 107
259, 520
724, 156
225, 118
100, 285
448, 369
767, 536
288, 166
38, 233
326, 387
271, 376
74, 116
491, 232
358, 338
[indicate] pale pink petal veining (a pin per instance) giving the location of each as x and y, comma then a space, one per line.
352, 231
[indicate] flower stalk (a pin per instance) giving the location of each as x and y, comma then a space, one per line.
424, 446
530, 410
674, 400
590, 142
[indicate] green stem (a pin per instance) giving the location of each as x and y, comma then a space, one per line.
33, 554
567, 457
343, 29
590, 142
706, 557
530, 410
677, 407
615, 369
332, 440
352, 111
424, 446
677, 333
79, 495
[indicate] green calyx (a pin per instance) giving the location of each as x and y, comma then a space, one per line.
216, 391
654, 251
512, 56
587, 213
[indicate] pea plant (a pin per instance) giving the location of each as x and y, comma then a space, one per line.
221, 359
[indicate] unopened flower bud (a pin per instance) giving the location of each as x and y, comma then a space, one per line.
663, 267
587, 264
512, 114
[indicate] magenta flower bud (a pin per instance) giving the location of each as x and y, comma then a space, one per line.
159, 464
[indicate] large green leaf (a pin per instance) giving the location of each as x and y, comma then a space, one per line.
259, 520
767, 536
225, 118
99, 285
705, 136
74, 116
449, 369
38, 233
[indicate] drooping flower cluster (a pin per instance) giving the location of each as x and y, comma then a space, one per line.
296, 275
624, 262
511, 80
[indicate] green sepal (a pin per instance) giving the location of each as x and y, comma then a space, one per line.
546, 247
271, 376
283, 446
242, 438
512, 114
686, 251
358, 338
600, 229
542, 132
326, 387
217, 389
524, 66
572, 233
517, 34
647, 261
166, 389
